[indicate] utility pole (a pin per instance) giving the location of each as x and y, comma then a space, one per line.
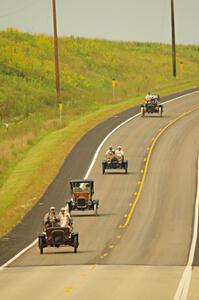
173, 38
56, 50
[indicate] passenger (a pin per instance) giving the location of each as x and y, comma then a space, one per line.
51, 219
155, 99
110, 152
120, 152
65, 218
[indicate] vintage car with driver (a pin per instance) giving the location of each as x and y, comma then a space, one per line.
56, 237
151, 105
114, 161
82, 196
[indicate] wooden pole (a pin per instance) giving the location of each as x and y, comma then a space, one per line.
173, 38
56, 50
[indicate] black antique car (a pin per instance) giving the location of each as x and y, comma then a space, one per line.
82, 196
56, 237
152, 106
113, 162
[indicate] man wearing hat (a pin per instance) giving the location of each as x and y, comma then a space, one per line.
51, 219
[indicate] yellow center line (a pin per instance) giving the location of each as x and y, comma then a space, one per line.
69, 289
83, 274
93, 267
161, 131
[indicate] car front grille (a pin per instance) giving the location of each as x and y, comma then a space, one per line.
58, 236
81, 202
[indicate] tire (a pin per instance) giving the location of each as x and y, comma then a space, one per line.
103, 168
142, 111
41, 248
68, 207
75, 243
160, 111
95, 209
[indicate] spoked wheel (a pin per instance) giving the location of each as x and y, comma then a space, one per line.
142, 111
95, 209
68, 208
41, 248
75, 243
103, 169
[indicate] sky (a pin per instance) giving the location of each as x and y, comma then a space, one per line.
127, 20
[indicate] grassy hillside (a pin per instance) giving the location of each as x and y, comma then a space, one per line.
28, 100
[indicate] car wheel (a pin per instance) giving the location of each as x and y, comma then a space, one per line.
41, 246
142, 111
75, 242
68, 207
95, 209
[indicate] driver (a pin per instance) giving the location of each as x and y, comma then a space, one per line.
148, 97
110, 151
51, 219
120, 152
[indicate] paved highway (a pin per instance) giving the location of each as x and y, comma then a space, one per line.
145, 259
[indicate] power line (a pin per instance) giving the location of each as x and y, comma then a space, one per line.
17, 11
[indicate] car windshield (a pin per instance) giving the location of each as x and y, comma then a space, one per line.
81, 187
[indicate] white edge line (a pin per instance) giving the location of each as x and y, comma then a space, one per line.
183, 287
90, 168
18, 255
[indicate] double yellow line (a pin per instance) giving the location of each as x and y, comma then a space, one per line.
147, 163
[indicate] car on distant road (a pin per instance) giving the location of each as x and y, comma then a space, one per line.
114, 162
151, 105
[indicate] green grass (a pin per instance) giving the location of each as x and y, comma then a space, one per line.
28, 102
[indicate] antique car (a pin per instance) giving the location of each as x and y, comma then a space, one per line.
152, 106
56, 237
82, 196
114, 161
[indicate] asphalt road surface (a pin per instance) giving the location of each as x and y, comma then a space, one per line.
144, 260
